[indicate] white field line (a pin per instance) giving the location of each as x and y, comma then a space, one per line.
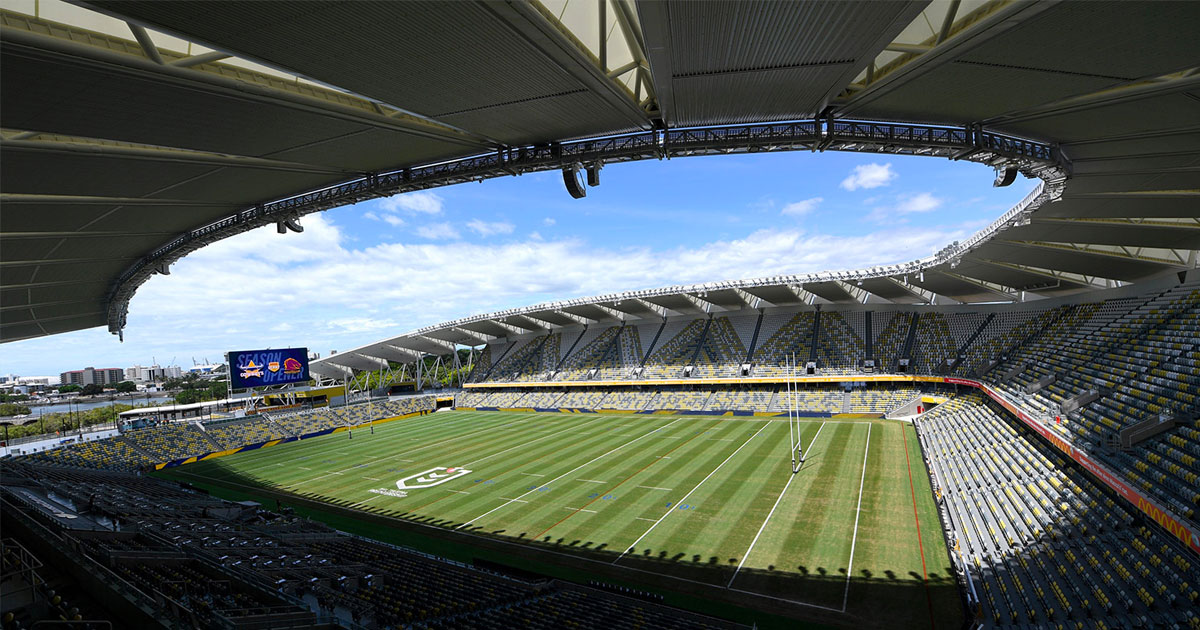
533, 474
655, 488
424, 424
697, 486
642, 518
570, 472
517, 500
374, 496
591, 481
525, 444
373, 478
862, 478
515, 545
578, 509
303, 468
784, 599
393, 456
769, 514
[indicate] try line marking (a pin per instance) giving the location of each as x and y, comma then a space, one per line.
672, 508
862, 478
769, 514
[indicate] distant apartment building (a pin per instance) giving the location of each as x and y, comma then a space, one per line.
142, 374
92, 376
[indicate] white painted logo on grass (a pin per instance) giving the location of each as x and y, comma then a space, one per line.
431, 478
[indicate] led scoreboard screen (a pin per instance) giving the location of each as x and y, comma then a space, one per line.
259, 368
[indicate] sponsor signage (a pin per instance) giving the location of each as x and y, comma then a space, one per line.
259, 368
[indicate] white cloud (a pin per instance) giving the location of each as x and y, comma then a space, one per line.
549, 221
437, 231
919, 202
485, 228
361, 324
421, 201
801, 208
393, 220
870, 176
318, 289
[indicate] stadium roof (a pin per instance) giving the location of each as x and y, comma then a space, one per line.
135, 132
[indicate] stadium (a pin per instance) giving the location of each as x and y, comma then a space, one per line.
1002, 434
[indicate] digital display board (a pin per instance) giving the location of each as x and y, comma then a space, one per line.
259, 368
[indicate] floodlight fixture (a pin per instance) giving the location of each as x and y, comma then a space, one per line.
573, 180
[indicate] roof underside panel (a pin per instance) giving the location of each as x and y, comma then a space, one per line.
111, 151
748, 61
474, 65
832, 291
889, 290
84, 97
1014, 277
1040, 54
1074, 261
1130, 235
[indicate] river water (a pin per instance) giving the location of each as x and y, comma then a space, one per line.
94, 403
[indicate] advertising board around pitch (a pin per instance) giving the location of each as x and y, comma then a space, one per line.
259, 368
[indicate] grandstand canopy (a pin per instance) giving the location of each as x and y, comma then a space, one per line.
135, 132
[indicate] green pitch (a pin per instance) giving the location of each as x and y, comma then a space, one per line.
695, 498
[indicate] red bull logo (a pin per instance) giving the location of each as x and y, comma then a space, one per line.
291, 366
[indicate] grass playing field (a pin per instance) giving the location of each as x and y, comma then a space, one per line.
691, 498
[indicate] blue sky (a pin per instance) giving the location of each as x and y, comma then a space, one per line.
361, 273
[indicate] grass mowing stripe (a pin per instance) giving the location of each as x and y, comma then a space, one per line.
633, 545
571, 471
924, 572
725, 494
808, 535
313, 446
235, 467
553, 433
742, 495
427, 422
862, 480
566, 453
619, 510
768, 519
609, 491
393, 455
475, 445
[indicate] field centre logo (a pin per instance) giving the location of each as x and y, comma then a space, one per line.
427, 479
431, 478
